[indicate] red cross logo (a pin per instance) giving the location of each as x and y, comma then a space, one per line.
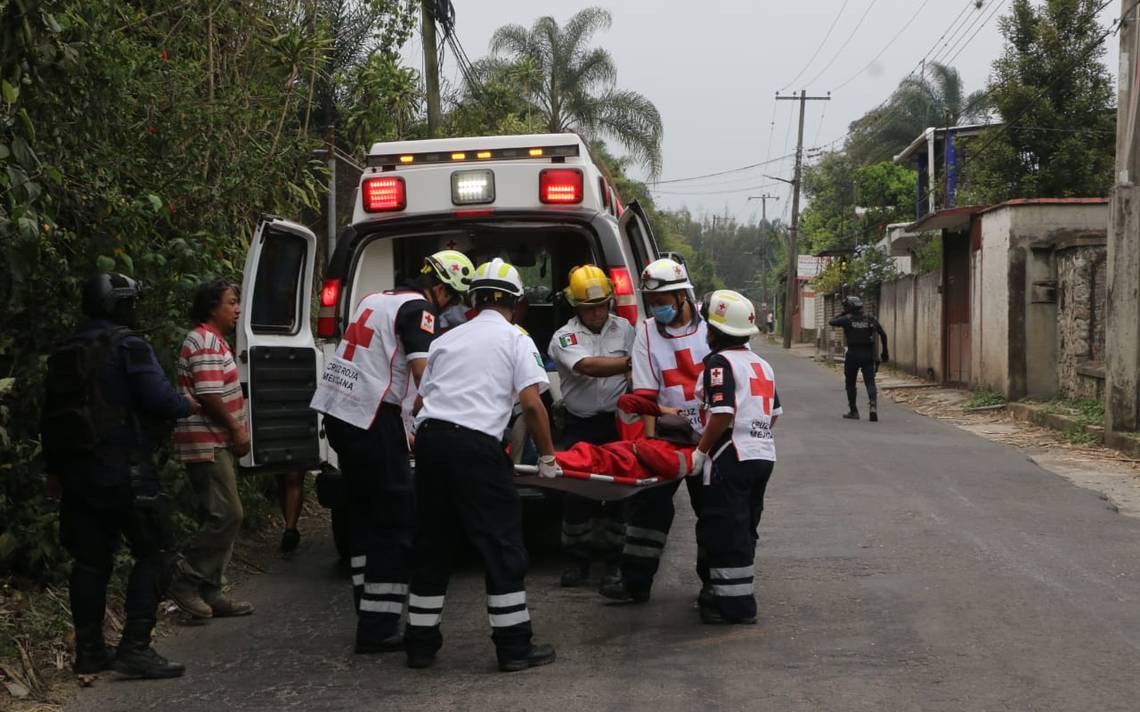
358, 334
751, 318
677, 271
685, 374
454, 266
762, 386
451, 244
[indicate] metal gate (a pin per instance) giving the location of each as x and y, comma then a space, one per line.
956, 307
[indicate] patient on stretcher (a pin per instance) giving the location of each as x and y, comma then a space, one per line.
666, 455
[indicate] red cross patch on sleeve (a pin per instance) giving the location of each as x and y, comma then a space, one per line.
716, 376
427, 322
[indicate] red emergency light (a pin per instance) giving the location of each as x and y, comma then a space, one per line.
625, 297
326, 318
383, 194
560, 186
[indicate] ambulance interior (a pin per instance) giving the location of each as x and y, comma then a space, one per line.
543, 255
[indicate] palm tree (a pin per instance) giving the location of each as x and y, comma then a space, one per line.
576, 91
935, 99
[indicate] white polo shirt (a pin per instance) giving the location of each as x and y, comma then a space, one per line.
475, 372
583, 395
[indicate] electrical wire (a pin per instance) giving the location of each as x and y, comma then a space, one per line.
846, 42
719, 173
885, 47
716, 192
834, 22
993, 12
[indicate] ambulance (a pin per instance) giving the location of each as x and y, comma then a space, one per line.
537, 201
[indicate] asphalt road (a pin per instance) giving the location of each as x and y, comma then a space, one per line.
904, 565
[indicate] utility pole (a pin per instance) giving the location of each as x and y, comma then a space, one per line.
793, 231
764, 204
1122, 332
431, 65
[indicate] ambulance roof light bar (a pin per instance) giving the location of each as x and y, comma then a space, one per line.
555, 154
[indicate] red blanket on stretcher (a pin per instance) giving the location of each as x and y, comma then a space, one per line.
635, 455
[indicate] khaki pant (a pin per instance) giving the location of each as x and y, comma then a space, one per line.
208, 553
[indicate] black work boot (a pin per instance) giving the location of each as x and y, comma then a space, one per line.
612, 576
135, 657
93, 660
539, 655
367, 644
618, 591
852, 414
575, 574
710, 615
874, 417
92, 654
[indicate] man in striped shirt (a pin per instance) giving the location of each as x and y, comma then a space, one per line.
209, 445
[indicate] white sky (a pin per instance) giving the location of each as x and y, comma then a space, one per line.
713, 67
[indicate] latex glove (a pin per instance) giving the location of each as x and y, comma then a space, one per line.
548, 467
886, 357
699, 459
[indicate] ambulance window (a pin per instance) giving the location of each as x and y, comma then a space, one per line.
538, 279
276, 300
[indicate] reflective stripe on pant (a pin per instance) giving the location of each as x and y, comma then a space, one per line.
649, 517
381, 511
859, 359
464, 487
731, 507
587, 525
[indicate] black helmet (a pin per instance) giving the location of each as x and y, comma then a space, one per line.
110, 295
853, 303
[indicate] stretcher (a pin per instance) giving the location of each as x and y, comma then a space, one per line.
591, 485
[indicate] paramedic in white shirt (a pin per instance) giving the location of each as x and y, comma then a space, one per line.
464, 479
592, 353
668, 354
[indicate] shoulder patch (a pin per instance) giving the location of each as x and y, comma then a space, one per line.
538, 360
716, 376
427, 322
568, 340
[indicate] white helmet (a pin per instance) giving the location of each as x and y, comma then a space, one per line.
730, 313
498, 276
450, 267
664, 275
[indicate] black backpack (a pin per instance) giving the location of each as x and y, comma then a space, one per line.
76, 417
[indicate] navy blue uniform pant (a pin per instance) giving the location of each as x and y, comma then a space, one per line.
589, 525
381, 515
649, 517
731, 506
465, 487
859, 359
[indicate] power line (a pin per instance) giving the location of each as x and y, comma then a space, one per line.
716, 192
963, 47
885, 47
720, 173
834, 22
846, 42
981, 20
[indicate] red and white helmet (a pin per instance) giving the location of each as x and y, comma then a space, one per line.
664, 275
731, 313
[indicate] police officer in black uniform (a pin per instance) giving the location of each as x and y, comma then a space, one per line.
105, 395
860, 330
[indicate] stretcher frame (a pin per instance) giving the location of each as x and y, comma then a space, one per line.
591, 485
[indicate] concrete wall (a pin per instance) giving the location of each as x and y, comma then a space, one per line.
1014, 284
910, 310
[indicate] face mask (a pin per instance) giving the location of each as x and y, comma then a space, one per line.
665, 314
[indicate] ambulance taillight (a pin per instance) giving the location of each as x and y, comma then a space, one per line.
326, 317
383, 194
560, 186
625, 298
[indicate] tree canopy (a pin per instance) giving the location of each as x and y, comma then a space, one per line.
1052, 91
573, 85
